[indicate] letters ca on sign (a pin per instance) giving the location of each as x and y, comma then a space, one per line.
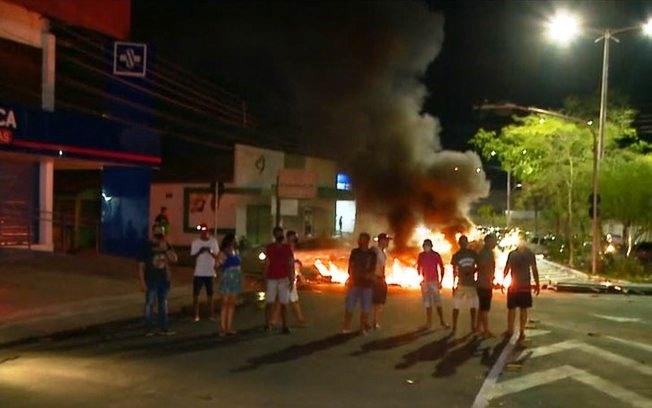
7, 125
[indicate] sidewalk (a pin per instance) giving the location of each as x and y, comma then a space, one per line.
566, 279
44, 293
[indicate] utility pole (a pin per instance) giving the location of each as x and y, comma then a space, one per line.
508, 214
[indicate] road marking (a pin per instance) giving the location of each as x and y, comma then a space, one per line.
632, 343
558, 373
482, 399
598, 352
535, 332
618, 318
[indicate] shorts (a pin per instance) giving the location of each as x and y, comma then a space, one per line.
231, 281
294, 294
484, 298
430, 294
278, 288
359, 294
379, 291
465, 297
199, 281
522, 300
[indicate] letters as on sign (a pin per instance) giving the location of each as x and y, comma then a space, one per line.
7, 118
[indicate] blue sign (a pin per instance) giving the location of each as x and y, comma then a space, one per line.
129, 59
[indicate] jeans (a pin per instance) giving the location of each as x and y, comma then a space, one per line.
157, 292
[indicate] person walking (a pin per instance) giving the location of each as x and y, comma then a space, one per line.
155, 276
431, 267
486, 272
522, 264
465, 266
359, 286
279, 275
230, 284
380, 284
292, 239
205, 250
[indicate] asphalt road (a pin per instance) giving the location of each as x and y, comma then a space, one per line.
584, 350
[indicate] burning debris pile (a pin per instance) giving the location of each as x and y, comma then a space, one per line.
401, 267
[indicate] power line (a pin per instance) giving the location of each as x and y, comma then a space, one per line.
145, 90
123, 121
239, 111
238, 100
97, 91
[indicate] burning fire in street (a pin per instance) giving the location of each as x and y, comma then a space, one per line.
401, 268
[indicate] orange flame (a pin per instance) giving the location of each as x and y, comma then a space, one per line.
403, 272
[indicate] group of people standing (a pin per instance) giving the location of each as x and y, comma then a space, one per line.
474, 277
281, 274
473, 272
154, 273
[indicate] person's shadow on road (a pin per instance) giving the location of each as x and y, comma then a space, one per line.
456, 357
295, 352
388, 343
429, 352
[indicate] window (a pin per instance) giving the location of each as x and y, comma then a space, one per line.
343, 182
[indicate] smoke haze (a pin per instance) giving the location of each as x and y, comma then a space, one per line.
347, 75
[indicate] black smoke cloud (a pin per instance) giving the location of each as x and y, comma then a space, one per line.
347, 76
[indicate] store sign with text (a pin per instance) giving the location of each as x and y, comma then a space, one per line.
8, 125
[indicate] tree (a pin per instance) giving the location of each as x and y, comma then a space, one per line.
626, 185
553, 157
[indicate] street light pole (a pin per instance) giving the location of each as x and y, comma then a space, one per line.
562, 28
598, 150
508, 215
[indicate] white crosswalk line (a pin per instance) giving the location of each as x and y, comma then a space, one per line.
535, 332
631, 343
554, 348
618, 319
482, 399
595, 351
566, 371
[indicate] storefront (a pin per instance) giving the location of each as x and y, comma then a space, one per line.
36, 145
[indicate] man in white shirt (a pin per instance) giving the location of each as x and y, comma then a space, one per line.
205, 250
380, 285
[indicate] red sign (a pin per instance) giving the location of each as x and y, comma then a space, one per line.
6, 136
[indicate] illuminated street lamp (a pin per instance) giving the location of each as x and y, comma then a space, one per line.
562, 28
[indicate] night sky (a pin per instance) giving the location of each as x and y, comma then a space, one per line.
492, 51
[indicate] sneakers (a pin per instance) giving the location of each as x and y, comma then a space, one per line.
150, 333
166, 332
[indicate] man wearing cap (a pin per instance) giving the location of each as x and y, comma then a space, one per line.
154, 274
465, 266
205, 250
380, 285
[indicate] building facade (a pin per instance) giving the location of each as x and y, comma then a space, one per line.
42, 143
246, 204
